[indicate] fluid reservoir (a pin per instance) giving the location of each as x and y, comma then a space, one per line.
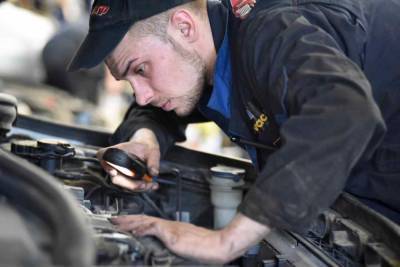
226, 193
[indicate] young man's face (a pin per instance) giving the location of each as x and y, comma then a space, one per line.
163, 74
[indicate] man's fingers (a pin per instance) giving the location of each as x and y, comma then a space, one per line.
127, 218
154, 186
137, 224
100, 153
129, 222
153, 162
110, 170
133, 185
128, 226
127, 183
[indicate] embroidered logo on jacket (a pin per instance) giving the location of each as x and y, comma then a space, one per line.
257, 116
259, 123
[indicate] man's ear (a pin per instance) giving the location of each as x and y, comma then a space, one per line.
184, 25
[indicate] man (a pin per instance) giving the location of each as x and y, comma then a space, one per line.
289, 80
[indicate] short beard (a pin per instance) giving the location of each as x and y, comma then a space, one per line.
195, 61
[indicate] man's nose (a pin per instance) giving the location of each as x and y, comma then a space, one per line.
143, 95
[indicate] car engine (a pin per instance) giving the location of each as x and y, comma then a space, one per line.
56, 201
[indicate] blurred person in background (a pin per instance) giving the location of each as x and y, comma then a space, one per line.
56, 55
71, 17
37, 39
25, 28
71, 11
95, 85
30, 27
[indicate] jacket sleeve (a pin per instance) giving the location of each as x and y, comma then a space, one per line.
333, 121
167, 126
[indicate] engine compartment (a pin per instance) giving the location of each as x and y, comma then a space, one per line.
56, 200
82, 176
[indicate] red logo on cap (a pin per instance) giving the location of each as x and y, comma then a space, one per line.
100, 10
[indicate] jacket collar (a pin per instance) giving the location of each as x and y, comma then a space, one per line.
217, 15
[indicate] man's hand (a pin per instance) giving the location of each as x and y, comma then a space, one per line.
143, 144
195, 242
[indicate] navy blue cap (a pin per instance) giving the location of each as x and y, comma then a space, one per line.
109, 22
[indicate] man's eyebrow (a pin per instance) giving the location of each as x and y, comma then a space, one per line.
125, 72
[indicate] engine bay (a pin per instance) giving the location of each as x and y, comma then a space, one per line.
57, 201
98, 199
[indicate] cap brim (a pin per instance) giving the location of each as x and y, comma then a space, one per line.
96, 47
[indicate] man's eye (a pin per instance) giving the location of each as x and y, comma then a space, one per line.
140, 69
